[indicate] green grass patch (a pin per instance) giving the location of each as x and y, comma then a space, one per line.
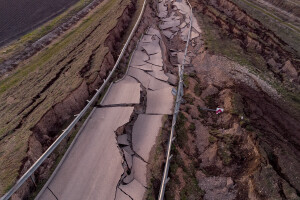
192, 127
189, 99
198, 89
225, 155
181, 132
212, 139
214, 132
237, 104
186, 81
210, 101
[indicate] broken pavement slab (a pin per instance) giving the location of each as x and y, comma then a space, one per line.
128, 178
180, 57
146, 39
139, 170
123, 139
160, 101
123, 92
47, 195
83, 162
156, 59
169, 24
129, 159
139, 58
130, 79
168, 34
152, 48
134, 189
156, 84
128, 150
145, 130
172, 79
153, 31
159, 75
183, 25
147, 67
144, 67
121, 195
194, 34
140, 75
182, 7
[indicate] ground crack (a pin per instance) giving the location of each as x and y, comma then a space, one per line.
52, 192
115, 105
125, 193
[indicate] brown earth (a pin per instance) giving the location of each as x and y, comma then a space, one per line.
251, 151
252, 35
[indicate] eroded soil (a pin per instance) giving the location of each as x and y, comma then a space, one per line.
251, 151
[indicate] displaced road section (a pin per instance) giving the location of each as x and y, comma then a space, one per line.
136, 142
110, 157
109, 160
93, 167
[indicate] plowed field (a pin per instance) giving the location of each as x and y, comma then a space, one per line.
18, 17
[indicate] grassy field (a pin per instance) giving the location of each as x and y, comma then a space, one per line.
47, 79
19, 44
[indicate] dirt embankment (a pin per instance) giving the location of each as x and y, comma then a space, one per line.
248, 152
251, 151
252, 35
90, 72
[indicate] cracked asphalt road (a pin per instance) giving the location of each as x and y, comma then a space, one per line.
106, 163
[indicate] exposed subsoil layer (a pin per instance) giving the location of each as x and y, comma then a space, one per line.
251, 151
18, 17
63, 77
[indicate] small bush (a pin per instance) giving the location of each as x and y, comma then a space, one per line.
198, 90
212, 139
186, 81
181, 132
189, 99
192, 127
